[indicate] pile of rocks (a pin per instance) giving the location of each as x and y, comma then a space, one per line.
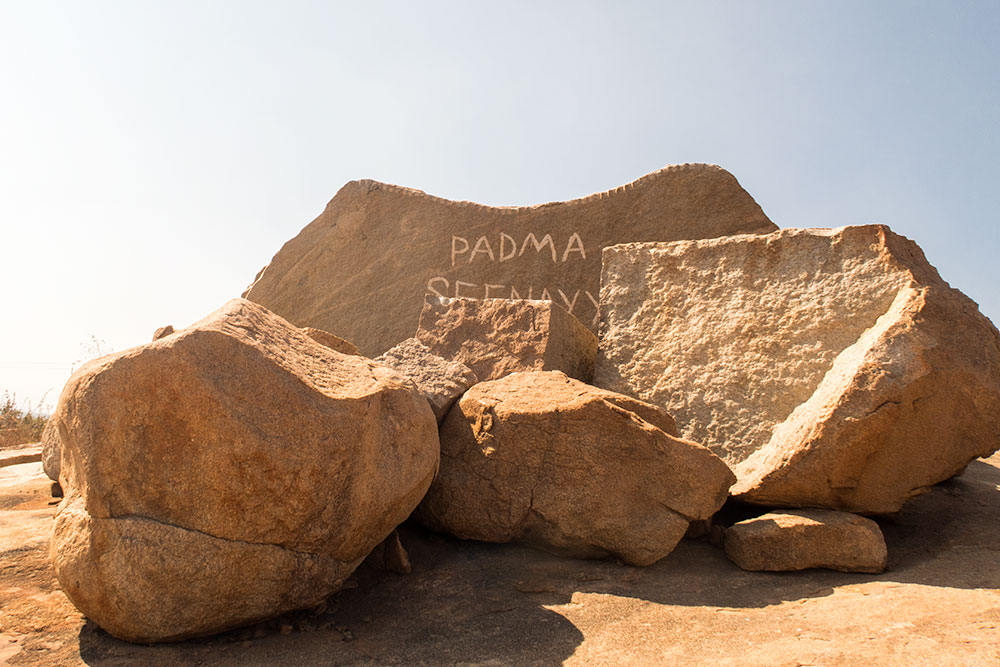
244, 466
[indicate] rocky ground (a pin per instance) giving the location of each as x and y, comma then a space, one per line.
470, 603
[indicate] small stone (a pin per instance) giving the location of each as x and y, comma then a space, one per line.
162, 332
285, 629
802, 539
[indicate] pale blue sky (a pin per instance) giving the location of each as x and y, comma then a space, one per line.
153, 156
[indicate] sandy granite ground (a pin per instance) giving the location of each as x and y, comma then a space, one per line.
468, 603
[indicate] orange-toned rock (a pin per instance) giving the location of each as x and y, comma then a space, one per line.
363, 266
496, 337
803, 539
829, 367
541, 458
440, 381
230, 472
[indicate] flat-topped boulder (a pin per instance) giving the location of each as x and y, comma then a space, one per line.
496, 337
540, 458
804, 539
230, 472
362, 268
829, 367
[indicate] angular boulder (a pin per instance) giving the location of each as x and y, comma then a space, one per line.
804, 539
440, 381
540, 458
363, 266
230, 472
497, 337
829, 367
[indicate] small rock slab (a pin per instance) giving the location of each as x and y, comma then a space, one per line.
440, 381
541, 458
496, 337
803, 539
19, 455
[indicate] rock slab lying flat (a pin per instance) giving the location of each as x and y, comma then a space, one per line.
440, 381
829, 368
362, 268
803, 539
497, 337
230, 472
538, 457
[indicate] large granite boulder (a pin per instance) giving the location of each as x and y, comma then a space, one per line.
497, 337
538, 457
230, 472
803, 539
439, 380
829, 368
363, 266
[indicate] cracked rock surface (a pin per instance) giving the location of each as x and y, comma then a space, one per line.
829, 367
541, 458
230, 472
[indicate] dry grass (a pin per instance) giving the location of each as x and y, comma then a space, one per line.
18, 426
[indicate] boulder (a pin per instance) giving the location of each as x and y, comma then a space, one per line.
363, 266
440, 381
799, 540
335, 343
829, 367
230, 472
51, 450
541, 458
496, 337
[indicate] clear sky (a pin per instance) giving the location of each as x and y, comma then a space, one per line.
155, 155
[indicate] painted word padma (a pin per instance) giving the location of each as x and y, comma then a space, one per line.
506, 248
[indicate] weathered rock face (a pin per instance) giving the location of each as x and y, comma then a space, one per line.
830, 368
440, 381
327, 339
799, 540
362, 268
541, 458
497, 337
51, 450
232, 471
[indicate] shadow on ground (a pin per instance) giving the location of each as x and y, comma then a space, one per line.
475, 603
